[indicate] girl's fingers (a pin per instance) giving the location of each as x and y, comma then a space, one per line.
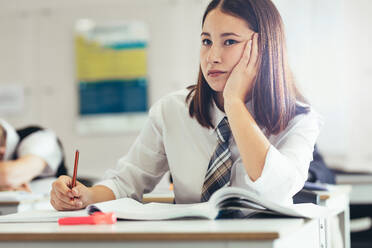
78, 191
253, 58
53, 203
58, 204
246, 54
62, 186
61, 195
81, 192
64, 198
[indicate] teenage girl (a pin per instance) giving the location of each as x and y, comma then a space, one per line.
242, 124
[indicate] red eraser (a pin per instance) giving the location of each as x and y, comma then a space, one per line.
94, 219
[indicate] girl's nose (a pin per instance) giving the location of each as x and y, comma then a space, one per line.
214, 56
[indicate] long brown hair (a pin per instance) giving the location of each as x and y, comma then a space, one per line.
274, 94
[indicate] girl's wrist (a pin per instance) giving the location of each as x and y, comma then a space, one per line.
232, 103
90, 196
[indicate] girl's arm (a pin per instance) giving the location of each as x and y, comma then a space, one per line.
251, 142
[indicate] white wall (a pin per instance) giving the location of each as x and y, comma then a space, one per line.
328, 47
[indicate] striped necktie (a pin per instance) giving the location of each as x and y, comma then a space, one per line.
219, 168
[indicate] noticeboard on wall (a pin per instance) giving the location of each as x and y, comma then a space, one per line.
111, 73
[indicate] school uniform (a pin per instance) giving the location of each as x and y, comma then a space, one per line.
39, 142
172, 140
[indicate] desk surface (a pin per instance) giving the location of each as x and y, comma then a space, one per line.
249, 229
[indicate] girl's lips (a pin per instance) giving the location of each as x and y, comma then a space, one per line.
216, 73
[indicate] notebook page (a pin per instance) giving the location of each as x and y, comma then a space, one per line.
127, 208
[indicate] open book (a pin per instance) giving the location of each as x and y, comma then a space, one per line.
227, 202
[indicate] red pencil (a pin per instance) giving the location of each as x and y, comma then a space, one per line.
75, 169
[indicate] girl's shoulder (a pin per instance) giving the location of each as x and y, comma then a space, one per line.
310, 119
305, 124
174, 102
177, 97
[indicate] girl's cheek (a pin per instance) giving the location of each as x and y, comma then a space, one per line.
203, 60
203, 55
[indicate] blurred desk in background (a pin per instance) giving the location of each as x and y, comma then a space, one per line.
360, 207
361, 192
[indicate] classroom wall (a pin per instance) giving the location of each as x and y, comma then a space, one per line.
328, 55
37, 51
329, 48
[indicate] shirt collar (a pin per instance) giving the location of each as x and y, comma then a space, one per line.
217, 115
12, 139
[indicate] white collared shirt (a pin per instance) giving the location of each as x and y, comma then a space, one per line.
172, 140
41, 143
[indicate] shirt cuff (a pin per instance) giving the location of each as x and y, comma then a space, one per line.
274, 179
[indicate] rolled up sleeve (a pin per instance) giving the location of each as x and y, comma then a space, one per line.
287, 160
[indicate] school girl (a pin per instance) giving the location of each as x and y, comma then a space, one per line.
243, 124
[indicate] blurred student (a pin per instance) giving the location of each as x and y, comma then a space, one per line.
26, 154
243, 123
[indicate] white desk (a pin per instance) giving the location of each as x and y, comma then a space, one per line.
360, 195
257, 233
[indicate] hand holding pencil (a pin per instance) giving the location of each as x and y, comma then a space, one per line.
69, 194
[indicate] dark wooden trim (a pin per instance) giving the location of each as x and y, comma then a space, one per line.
7, 203
158, 199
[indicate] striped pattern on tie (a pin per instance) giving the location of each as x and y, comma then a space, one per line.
219, 168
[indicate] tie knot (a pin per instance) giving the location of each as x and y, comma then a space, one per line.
223, 131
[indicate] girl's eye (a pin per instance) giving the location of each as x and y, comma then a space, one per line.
230, 42
206, 42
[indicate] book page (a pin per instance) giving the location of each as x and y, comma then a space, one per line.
253, 201
127, 208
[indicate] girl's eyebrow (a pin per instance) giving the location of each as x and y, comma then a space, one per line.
222, 35
228, 34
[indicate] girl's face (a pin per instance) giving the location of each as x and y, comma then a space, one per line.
223, 40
